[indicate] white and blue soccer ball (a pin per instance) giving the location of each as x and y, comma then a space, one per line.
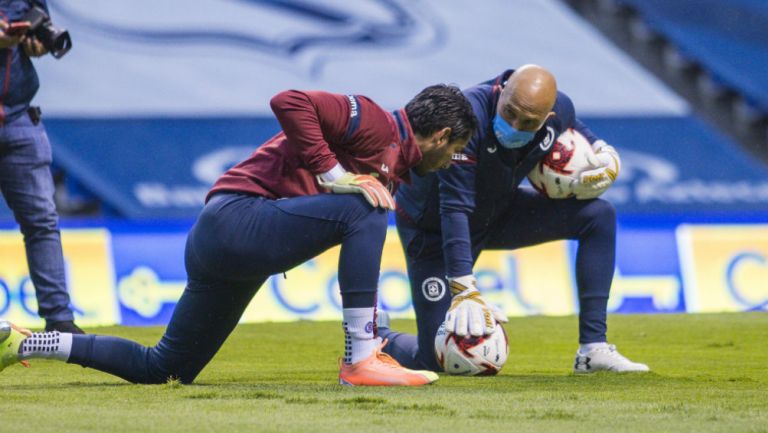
555, 175
471, 356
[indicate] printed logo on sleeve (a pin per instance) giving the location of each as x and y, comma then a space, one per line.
433, 289
352, 106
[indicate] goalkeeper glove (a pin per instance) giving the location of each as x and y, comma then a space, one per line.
351, 183
594, 182
469, 313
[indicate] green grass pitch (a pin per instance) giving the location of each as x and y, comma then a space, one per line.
710, 373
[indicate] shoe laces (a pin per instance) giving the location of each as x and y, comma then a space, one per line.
612, 352
385, 358
26, 333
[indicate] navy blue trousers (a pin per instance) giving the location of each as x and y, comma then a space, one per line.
27, 185
237, 242
531, 219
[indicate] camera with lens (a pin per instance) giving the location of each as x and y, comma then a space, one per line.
55, 40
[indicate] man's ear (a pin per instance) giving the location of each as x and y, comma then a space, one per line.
444, 133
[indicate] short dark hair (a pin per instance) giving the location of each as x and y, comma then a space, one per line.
440, 106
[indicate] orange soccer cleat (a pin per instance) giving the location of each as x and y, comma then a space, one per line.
380, 369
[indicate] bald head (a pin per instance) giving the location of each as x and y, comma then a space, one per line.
528, 98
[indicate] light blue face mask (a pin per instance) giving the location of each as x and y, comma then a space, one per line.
509, 137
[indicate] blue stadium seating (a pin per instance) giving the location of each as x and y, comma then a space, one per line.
728, 38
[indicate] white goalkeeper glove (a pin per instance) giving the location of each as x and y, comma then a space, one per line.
594, 182
351, 183
469, 313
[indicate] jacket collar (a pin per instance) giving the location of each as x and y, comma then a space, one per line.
410, 154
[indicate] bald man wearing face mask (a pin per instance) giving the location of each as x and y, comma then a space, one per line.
447, 218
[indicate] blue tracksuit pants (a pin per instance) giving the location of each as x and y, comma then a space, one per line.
530, 219
237, 242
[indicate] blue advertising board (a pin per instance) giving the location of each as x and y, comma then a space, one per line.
145, 168
133, 274
163, 168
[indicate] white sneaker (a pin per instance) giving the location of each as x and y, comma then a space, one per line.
606, 359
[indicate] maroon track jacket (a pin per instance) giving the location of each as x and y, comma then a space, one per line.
321, 129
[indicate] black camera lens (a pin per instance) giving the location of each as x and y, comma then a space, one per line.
55, 40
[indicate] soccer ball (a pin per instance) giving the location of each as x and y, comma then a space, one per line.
555, 175
471, 356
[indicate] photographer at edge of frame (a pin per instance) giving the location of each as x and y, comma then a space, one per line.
25, 153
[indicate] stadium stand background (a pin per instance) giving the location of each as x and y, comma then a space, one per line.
717, 61
148, 109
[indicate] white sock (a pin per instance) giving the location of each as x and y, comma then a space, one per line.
359, 341
586, 348
46, 345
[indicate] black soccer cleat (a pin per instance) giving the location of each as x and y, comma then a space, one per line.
67, 326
